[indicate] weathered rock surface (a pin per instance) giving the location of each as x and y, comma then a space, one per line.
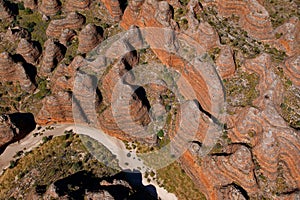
88, 38
15, 126
52, 55
16, 33
114, 8
72, 21
14, 72
292, 69
56, 108
225, 63
257, 155
5, 12
28, 51
289, 36
77, 5
50, 7
253, 17
31, 4
132, 112
66, 36
62, 83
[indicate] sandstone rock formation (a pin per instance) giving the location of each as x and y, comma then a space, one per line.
16, 33
66, 36
49, 7
14, 72
72, 21
28, 51
5, 12
113, 7
62, 83
132, 114
292, 69
15, 126
262, 128
289, 36
88, 38
56, 108
257, 155
77, 5
52, 55
6, 127
225, 63
31, 4
254, 18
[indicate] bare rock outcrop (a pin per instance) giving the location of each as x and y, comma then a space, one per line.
254, 18
275, 144
289, 36
88, 38
133, 115
16, 33
5, 12
28, 51
114, 8
56, 108
66, 36
31, 4
52, 55
292, 69
77, 5
14, 127
225, 63
14, 72
72, 21
50, 7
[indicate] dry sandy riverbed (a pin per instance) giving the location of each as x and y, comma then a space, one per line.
116, 146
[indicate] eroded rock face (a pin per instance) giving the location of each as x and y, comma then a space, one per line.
62, 83
114, 8
31, 4
29, 52
254, 18
66, 36
77, 5
50, 7
6, 127
225, 62
15, 126
72, 21
292, 68
56, 108
52, 55
14, 72
289, 36
16, 33
5, 12
135, 113
89, 38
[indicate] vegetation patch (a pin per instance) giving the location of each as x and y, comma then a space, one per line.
55, 159
231, 34
290, 107
241, 89
281, 10
175, 180
33, 22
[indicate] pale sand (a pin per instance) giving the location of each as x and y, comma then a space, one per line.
116, 146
